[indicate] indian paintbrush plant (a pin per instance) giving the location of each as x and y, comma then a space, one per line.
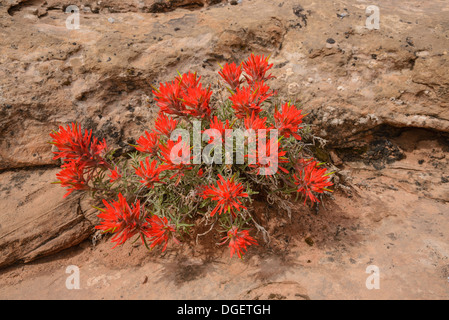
169, 185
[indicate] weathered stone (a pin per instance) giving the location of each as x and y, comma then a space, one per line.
100, 75
35, 218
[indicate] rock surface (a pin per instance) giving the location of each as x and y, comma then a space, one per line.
100, 74
35, 219
389, 219
380, 99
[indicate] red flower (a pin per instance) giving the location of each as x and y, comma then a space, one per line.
197, 102
227, 194
176, 157
288, 121
239, 241
267, 157
188, 80
84, 149
165, 125
114, 175
311, 179
184, 96
149, 173
220, 127
72, 177
160, 231
255, 123
248, 100
148, 143
231, 74
256, 68
123, 220
168, 98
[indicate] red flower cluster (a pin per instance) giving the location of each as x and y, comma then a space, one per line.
115, 175
175, 157
238, 241
160, 231
81, 153
231, 74
72, 177
288, 121
148, 143
75, 146
123, 220
126, 221
149, 173
256, 68
220, 127
248, 100
184, 96
165, 125
267, 157
227, 194
163, 162
311, 178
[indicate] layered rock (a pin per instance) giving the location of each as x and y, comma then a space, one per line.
350, 78
355, 83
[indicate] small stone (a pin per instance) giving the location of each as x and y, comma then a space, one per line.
309, 241
335, 158
330, 41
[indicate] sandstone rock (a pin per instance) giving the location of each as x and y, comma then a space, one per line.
364, 83
285, 290
100, 75
35, 219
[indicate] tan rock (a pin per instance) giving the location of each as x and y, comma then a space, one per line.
35, 218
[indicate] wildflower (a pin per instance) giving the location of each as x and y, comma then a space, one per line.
165, 125
311, 179
115, 175
188, 80
220, 127
256, 68
149, 173
255, 123
73, 145
288, 121
122, 220
175, 157
231, 74
248, 100
267, 157
184, 96
168, 98
72, 177
227, 194
149, 143
197, 102
238, 241
160, 231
